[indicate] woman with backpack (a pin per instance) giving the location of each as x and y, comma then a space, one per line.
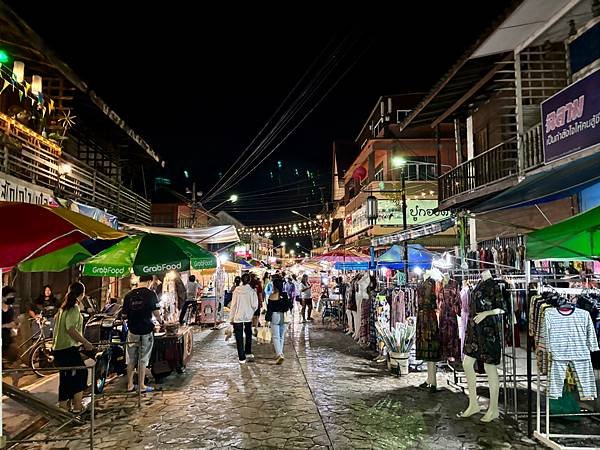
279, 304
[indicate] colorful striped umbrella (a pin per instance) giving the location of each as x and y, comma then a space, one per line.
28, 231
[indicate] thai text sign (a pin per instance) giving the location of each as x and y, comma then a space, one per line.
571, 118
418, 212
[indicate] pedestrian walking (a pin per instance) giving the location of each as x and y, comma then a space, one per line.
257, 286
139, 306
278, 305
243, 305
67, 337
306, 293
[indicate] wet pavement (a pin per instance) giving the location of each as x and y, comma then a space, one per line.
327, 394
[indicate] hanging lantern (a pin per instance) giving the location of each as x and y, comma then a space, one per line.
36, 85
372, 210
359, 173
18, 71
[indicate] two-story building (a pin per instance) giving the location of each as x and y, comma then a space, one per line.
524, 103
61, 143
384, 154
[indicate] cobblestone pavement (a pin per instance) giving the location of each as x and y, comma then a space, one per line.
327, 394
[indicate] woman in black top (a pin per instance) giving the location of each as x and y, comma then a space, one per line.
279, 304
44, 306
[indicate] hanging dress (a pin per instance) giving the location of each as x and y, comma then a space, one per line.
449, 308
428, 333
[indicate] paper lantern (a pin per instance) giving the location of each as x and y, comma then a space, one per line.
36, 85
359, 173
19, 71
372, 209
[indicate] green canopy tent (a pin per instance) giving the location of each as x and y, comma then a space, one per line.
149, 254
577, 238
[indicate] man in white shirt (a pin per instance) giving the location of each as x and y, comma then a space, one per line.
191, 292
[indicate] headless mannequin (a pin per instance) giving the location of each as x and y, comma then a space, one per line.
490, 370
362, 294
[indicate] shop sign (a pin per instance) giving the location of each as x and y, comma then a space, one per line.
351, 266
356, 222
241, 250
418, 212
571, 118
14, 190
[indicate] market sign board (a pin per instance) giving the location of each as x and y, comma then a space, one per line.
14, 190
418, 212
571, 118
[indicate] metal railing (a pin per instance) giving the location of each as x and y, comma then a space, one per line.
32, 158
491, 166
534, 147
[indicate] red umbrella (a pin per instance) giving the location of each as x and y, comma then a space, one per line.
28, 230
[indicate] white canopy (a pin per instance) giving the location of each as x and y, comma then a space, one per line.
221, 234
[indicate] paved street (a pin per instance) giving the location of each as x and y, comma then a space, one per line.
325, 395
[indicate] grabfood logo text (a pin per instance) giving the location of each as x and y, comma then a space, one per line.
162, 267
112, 271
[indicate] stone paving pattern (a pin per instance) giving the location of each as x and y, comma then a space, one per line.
327, 394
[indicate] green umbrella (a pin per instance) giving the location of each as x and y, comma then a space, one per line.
66, 257
149, 254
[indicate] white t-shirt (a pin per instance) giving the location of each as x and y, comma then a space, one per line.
191, 290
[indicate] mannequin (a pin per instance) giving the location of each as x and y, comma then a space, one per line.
361, 294
483, 342
428, 335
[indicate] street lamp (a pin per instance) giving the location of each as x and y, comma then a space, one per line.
231, 199
400, 162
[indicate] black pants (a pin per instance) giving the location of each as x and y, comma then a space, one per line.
306, 303
239, 329
184, 308
70, 382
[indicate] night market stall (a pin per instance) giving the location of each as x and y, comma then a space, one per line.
568, 319
155, 254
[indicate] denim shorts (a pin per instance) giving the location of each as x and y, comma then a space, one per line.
139, 346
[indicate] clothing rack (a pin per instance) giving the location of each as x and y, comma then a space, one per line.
547, 437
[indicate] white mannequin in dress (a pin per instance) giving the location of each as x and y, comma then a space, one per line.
490, 370
362, 294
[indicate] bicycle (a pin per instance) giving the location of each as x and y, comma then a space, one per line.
40, 350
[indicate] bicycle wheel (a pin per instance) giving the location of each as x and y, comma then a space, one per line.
41, 357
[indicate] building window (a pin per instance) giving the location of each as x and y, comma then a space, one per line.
421, 168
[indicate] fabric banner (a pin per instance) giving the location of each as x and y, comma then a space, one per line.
91, 211
415, 233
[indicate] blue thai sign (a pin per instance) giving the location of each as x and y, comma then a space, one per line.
571, 118
351, 266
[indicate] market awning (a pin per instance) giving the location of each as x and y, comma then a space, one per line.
221, 234
577, 238
559, 182
394, 257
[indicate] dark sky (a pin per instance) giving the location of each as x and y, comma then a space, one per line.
199, 83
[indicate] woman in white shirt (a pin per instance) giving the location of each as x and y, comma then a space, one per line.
243, 305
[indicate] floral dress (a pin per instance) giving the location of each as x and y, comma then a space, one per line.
428, 333
449, 307
483, 341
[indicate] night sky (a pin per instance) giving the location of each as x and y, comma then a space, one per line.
198, 83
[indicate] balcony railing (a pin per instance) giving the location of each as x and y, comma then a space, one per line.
534, 147
491, 166
28, 156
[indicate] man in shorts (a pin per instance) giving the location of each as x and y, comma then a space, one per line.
139, 306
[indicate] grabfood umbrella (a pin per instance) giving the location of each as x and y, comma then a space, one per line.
149, 254
28, 231
64, 258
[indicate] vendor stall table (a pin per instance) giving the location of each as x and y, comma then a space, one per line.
171, 352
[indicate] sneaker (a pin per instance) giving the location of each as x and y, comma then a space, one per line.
250, 356
280, 359
242, 361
